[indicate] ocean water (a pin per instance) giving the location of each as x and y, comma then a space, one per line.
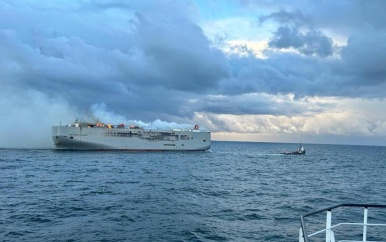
237, 191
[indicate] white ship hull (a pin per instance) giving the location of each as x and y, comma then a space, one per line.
103, 138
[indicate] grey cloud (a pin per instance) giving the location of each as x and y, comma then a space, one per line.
297, 31
358, 73
339, 16
281, 73
295, 18
258, 104
364, 57
155, 64
181, 54
162, 60
348, 16
311, 43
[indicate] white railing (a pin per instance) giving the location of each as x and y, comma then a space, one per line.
329, 233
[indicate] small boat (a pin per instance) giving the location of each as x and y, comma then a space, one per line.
300, 151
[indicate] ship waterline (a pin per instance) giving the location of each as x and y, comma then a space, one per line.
88, 136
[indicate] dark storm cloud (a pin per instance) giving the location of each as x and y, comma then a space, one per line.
348, 16
262, 104
295, 18
358, 73
160, 59
180, 53
149, 60
296, 31
281, 73
311, 43
339, 15
152, 61
364, 58
325, 69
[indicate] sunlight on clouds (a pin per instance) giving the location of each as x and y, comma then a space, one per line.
347, 117
243, 47
233, 27
237, 35
336, 123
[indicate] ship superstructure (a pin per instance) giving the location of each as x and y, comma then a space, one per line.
99, 136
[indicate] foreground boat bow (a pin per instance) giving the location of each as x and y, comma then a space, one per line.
350, 228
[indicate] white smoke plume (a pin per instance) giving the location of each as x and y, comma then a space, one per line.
100, 113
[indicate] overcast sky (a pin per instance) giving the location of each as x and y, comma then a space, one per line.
266, 71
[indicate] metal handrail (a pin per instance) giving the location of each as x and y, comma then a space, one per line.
303, 235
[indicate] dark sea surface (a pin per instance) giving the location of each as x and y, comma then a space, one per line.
237, 191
